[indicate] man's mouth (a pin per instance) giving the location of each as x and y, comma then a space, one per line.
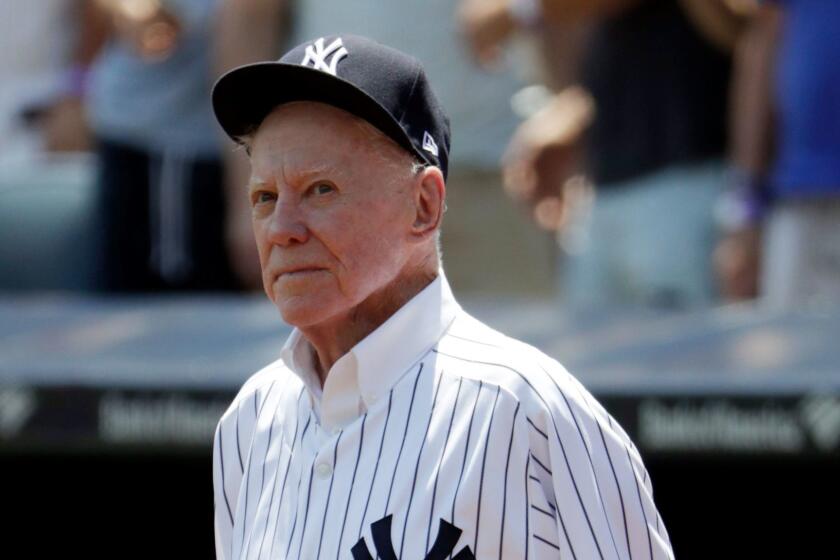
299, 271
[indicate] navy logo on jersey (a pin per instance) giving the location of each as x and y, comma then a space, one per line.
443, 547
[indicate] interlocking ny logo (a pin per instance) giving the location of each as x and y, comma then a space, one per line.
444, 545
316, 55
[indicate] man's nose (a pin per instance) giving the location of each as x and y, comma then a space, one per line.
287, 225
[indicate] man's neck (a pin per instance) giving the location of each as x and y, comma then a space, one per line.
333, 340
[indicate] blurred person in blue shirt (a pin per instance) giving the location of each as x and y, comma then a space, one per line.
783, 216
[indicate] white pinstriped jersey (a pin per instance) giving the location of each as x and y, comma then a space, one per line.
435, 437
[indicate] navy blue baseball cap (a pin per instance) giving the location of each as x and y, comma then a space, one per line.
377, 83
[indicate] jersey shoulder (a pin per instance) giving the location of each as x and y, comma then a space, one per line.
579, 452
548, 392
472, 348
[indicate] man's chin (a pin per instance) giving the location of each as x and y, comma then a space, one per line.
302, 312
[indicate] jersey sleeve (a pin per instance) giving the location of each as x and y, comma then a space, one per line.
594, 480
231, 443
222, 509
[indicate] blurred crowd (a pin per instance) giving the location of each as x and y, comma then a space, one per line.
626, 153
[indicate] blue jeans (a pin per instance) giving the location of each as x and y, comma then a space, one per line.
647, 242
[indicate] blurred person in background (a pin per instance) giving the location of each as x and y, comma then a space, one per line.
782, 218
161, 169
642, 112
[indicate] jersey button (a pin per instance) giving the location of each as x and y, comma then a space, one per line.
323, 470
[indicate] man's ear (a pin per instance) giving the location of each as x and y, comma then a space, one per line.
429, 201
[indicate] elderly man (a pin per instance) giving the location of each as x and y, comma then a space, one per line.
394, 425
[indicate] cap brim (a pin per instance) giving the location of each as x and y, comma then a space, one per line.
243, 97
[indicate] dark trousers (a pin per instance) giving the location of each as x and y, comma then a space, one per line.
163, 222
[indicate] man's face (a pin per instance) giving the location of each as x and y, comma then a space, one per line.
332, 210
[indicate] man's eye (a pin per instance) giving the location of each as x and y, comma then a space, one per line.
322, 188
264, 196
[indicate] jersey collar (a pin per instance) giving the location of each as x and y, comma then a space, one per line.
371, 368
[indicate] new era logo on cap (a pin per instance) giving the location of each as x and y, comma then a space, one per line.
317, 54
429, 144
